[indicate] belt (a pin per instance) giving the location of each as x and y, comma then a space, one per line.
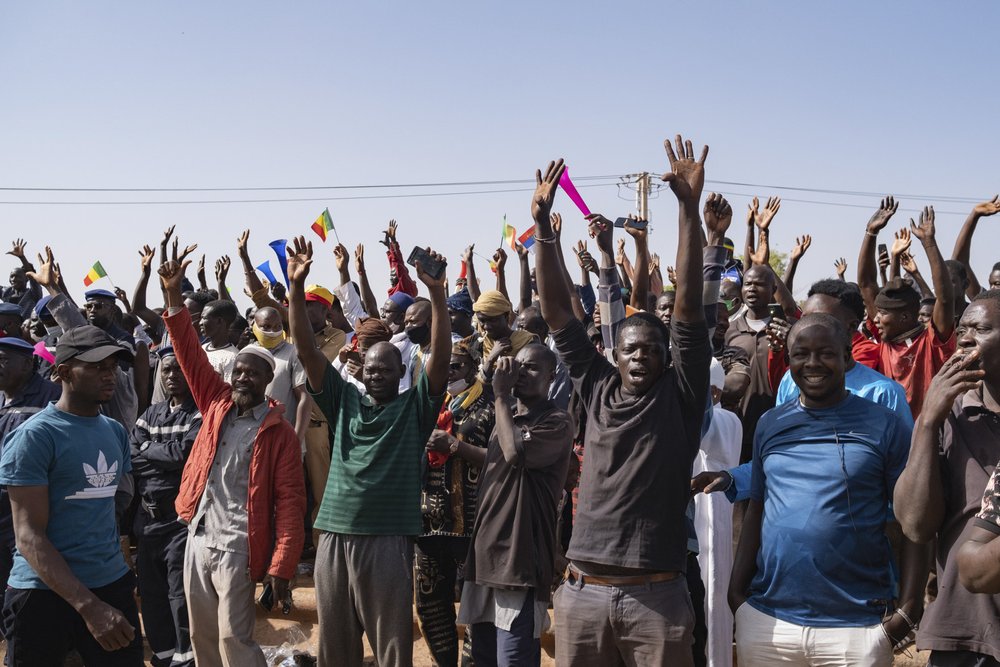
573, 575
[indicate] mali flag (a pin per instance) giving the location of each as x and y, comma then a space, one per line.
323, 224
96, 273
509, 234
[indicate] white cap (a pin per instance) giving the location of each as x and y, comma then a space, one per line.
258, 351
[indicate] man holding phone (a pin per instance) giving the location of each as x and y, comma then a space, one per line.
371, 507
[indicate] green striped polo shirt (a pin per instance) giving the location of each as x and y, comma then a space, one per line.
377, 456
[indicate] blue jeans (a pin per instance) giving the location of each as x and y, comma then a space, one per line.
495, 647
607, 626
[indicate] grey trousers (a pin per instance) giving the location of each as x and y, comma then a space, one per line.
606, 626
364, 584
221, 608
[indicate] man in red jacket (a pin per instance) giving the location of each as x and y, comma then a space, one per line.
242, 493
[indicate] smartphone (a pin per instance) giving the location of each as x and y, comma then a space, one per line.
266, 599
432, 267
636, 224
883, 249
775, 311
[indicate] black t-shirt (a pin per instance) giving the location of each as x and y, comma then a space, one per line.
636, 477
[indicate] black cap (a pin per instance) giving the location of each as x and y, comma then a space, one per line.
90, 344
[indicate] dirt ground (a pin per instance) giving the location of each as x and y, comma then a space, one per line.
299, 630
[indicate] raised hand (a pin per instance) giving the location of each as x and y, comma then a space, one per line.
341, 256
167, 233
222, 268
925, 230
672, 275
686, 176
46, 275
619, 253
522, 252
500, 258
389, 235
802, 244
201, 270
602, 231
841, 266
148, 255
556, 221
636, 232
880, 218
18, 249
241, 242
467, 254
988, 208
763, 218
505, 376
777, 334
172, 275
718, 215
901, 242
183, 255
654, 263
359, 259
299, 258
122, 296
431, 282
883, 259
907, 262
545, 191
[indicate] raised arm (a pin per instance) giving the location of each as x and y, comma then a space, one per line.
253, 282
802, 244
403, 282
524, 264
909, 265
574, 296
900, 246
640, 276
687, 178
867, 268
314, 362
202, 278
500, 261
367, 295
437, 367
963, 244
553, 294
623, 266
139, 307
944, 297
221, 273
470, 272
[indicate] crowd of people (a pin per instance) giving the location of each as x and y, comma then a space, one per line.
685, 464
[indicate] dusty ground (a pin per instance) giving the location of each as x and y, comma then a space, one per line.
299, 629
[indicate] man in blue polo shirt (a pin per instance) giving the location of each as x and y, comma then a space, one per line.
70, 587
812, 577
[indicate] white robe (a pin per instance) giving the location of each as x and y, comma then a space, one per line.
720, 450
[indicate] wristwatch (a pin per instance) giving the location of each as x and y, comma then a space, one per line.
453, 448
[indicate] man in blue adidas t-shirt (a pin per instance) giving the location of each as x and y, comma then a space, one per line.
811, 579
70, 587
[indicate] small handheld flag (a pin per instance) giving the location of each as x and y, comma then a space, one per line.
324, 224
509, 234
567, 185
527, 239
96, 273
278, 246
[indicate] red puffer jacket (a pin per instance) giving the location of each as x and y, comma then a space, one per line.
277, 499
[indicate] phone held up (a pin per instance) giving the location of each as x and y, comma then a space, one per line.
432, 267
633, 223
775, 311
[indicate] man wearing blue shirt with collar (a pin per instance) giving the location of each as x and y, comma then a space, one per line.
811, 579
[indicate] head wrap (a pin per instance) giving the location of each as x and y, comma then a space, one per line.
259, 352
401, 299
371, 330
321, 294
492, 303
460, 301
897, 294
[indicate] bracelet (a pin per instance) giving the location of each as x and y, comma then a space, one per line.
547, 239
453, 447
906, 617
874, 236
732, 480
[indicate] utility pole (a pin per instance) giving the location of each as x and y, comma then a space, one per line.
642, 195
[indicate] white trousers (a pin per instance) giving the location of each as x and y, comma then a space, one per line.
764, 640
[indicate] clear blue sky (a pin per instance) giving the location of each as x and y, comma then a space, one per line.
860, 96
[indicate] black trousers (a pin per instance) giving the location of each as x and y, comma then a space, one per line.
160, 566
438, 564
42, 628
696, 587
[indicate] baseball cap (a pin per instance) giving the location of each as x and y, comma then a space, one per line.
89, 344
18, 344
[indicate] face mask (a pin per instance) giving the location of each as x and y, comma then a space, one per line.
420, 335
458, 386
268, 339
